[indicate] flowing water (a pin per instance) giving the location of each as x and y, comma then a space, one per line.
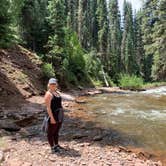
140, 117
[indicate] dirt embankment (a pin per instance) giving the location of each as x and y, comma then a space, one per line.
20, 76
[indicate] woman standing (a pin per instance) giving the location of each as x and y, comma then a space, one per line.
53, 101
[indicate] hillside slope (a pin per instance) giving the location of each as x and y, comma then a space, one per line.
20, 75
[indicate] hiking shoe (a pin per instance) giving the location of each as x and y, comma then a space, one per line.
56, 148
60, 147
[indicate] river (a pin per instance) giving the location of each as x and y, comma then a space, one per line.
140, 117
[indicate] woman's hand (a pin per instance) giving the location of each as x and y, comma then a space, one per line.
52, 121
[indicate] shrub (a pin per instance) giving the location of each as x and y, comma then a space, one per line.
48, 70
153, 84
97, 83
130, 82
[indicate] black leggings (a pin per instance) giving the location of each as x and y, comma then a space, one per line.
53, 133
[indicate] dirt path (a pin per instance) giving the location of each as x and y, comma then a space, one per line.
84, 142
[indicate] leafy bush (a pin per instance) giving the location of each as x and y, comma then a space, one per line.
94, 69
97, 83
111, 83
48, 70
130, 82
73, 64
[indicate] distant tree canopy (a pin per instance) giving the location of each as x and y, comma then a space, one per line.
71, 33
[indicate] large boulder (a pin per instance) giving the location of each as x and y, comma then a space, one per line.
8, 125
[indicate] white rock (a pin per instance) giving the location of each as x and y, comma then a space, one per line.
1, 156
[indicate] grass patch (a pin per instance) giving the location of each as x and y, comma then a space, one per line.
153, 85
132, 82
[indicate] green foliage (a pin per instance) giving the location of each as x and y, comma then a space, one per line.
6, 34
151, 39
114, 40
111, 82
154, 84
33, 27
94, 69
56, 42
130, 82
93, 64
85, 41
84, 24
102, 31
128, 47
48, 70
73, 63
139, 47
72, 10
97, 83
158, 45
94, 24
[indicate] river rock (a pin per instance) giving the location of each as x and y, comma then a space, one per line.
24, 132
26, 121
79, 136
3, 132
98, 138
9, 126
52, 158
1, 156
14, 116
144, 155
80, 101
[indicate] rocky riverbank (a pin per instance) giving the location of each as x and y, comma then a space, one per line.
85, 143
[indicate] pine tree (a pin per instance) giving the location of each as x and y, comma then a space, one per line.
102, 31
33, 25
94, 24
139, 47
56, 41
114, 41
158, 46
148, 22
84, 24
5, 23
72, 10
128, 47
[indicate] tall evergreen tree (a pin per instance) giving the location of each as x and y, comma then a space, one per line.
56, 41
94, 23
128, 47
114, 41
148, 22
33, 25
5, 23
139, 46
83, 24
102, 31
158, 46
72, 11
